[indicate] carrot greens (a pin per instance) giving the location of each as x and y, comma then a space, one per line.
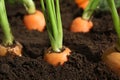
88, 11
54, 25
29, 5
8, 37
104, 5
116, 19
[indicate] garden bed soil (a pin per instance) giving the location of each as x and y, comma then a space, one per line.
85, 60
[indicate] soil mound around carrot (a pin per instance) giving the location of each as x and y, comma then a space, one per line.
85, 60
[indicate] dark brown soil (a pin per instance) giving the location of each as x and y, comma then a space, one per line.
85, 61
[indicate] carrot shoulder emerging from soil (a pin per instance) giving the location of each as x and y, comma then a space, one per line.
82, 3
81, 25
15, 49
35, 21
112, 59
57, 58
57, 54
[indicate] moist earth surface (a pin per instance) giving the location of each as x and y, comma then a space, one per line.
85, 60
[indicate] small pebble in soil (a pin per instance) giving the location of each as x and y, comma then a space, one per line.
4, 68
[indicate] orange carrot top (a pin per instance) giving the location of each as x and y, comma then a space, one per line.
84, 24
81, 25
34, 20
82, 3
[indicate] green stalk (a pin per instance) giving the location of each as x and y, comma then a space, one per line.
29, 5
54, 24
92, 5
59, 22
8, 37
52, 18
48, 25
42, 5
116, 19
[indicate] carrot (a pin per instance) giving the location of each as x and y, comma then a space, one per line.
55, 58
84, 23
35, 21
9, 45
111, 56
57, 54
14, 50
82, 3
81, 25
79, 1
112, 59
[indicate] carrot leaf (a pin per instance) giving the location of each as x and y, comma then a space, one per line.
8, 37
51, 10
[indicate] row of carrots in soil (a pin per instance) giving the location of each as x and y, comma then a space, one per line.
50, 18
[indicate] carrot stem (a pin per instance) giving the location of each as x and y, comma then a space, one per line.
8, 37
88, 11
116, 19
42, 5
59, 22
52, 17
29, 5
54, 24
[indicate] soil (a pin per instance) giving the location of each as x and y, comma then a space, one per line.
85, 60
